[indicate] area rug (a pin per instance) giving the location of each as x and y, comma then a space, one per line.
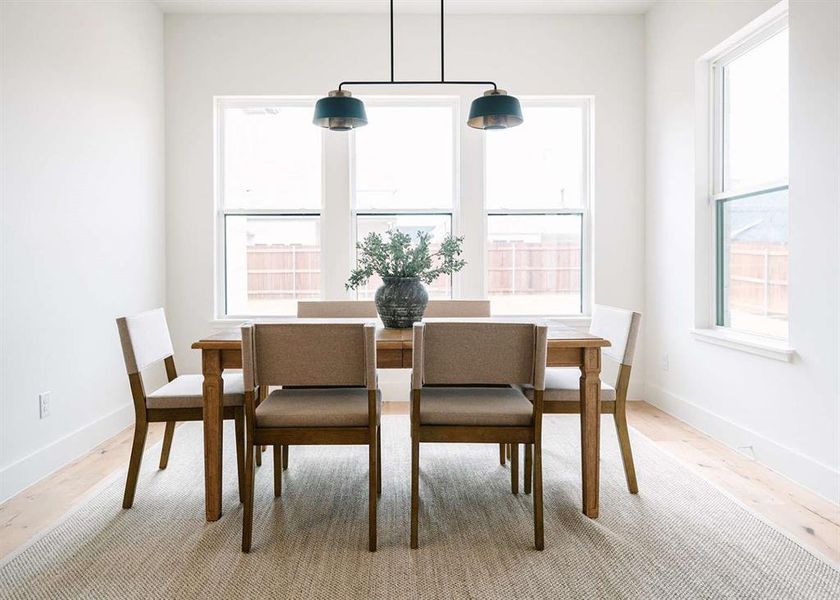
679, 538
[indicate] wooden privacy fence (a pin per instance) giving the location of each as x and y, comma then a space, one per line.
758, 273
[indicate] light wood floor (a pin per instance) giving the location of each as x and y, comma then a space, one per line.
808, 518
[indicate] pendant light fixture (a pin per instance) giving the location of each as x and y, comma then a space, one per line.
494, 110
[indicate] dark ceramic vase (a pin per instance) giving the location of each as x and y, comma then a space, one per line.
401, 301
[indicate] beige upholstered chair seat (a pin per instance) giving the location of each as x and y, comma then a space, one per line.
475, 406
564, 384
185, 391
323, 407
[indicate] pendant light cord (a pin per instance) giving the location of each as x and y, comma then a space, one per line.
442, 78
442, 62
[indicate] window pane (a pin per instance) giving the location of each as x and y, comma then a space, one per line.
754, 264
437, 225
271, 262
271, 158
533, 264
404, 158
538, 164
755, 115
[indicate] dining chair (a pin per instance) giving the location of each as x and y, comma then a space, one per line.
329, 396
462, 381
367, 309
562, 385
146, 342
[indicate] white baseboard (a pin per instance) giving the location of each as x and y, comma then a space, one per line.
816, 476
43, 462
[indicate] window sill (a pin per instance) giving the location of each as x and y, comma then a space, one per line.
752, 344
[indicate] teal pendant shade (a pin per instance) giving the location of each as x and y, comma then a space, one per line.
340, 112
495, 110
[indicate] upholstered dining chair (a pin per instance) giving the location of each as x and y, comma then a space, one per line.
145, 342
331, 309
462, 381
329, 395
562, 385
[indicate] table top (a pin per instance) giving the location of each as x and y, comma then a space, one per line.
559, 334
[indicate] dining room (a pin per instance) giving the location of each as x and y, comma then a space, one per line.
420, 299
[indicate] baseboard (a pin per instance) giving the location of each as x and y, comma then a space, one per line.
30, 469
816, 476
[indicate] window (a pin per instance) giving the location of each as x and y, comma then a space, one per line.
405, 175
750, 187
292, 201
270, 199
537, 199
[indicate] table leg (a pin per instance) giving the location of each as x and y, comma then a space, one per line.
590, 429
213, 392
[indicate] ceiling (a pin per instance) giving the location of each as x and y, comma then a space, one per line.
408, 6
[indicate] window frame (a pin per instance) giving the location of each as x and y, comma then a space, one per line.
718, 194
221, 212
585, 103
454, 212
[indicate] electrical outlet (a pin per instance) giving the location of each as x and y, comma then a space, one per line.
44, 405
666, 362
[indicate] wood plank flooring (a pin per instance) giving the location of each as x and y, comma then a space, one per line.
811, 520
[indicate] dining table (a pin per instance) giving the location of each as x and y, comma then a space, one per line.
567, 347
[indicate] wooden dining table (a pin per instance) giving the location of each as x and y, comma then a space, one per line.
567, 347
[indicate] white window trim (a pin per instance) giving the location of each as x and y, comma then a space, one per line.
585, 210
709, 192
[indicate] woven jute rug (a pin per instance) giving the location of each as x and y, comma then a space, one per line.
679, 538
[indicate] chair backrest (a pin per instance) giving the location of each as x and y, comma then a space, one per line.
309, 354
620, 327
458, 309
366, 309
145, 339
336, 309
478, 353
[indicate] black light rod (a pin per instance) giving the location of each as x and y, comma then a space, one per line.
392, 41
442, 78
343, 83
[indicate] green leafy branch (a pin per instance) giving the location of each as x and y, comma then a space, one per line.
397, 257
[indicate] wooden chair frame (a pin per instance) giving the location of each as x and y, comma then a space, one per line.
144, 415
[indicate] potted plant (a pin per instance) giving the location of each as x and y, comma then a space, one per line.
404, 268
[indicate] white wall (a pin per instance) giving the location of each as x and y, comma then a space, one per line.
789, 413
208, 55
82, 220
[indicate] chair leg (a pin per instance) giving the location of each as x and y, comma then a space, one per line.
258, 450
239, 423
278, 469
248, 512
415, 490
285, 457
373, 495
514, 469
529, 467
539, 538
379, 459
626, 453
501, 454
137, 447
507, 450
168, 433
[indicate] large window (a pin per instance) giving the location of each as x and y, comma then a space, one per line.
537, 198
270, 199
404, 175
293, 200
750, 188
